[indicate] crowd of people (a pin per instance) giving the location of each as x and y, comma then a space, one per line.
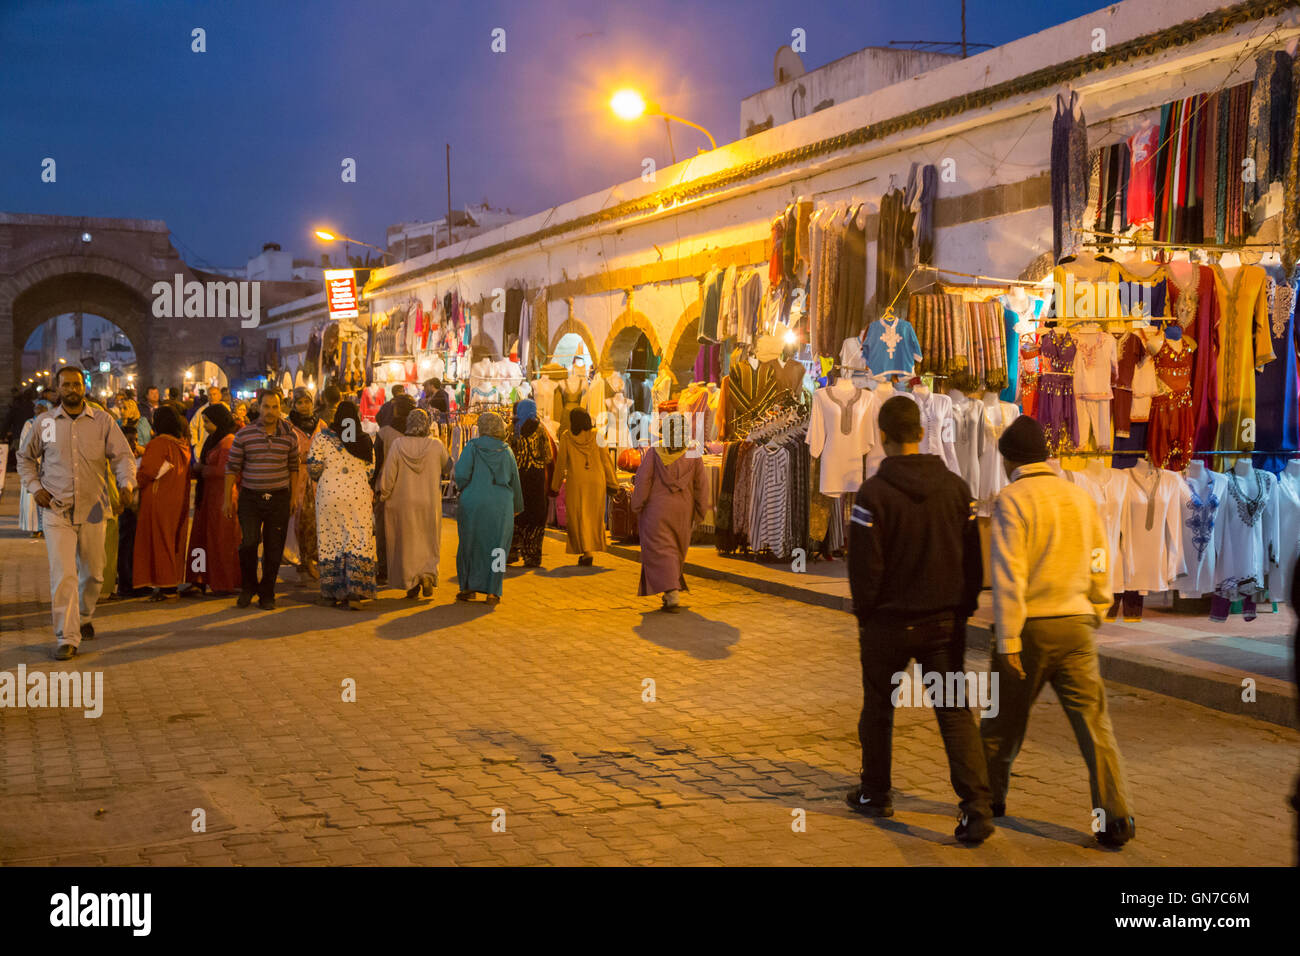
219, 497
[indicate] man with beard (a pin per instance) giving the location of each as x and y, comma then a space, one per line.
62, 464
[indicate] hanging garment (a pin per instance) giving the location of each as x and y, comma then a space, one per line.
1131, 352
968, 431
841, 431
891, 347
992, 476
1169, 439
747, 391
1029, 374
1202, 517
851, 289
1250, 535
1195, 304
1109, 489
1056, 409
1277, 412
1096, 365
1245, 346
1288, 534
1140, 202
769, 500
1069, 167
1151, 532
939, 435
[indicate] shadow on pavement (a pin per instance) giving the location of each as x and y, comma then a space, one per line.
685, 630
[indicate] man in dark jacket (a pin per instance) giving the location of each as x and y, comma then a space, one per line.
915, 572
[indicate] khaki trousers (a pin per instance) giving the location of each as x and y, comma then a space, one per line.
1059, 651
76, 555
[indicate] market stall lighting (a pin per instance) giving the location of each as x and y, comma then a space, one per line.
791, 338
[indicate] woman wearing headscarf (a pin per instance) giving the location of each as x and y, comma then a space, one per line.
490, 497
214, 536
127, 519
340, 461
306, 423
583, 466
389, 433
162, 526
533, 454
410, 488
668, 497
29, 515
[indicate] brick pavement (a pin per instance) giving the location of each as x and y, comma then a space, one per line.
535, 709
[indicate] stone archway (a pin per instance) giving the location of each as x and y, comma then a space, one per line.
579, 328
684, 345
622, 338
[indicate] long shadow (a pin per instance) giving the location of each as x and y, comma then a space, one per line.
431, 618
572, 571
726, 777
685, 630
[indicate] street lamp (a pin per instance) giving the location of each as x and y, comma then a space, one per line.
326, 236
629, 105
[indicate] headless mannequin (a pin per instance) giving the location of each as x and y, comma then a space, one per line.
1097, 468
1293, 468
1243, 468
1144, 468
1196, 470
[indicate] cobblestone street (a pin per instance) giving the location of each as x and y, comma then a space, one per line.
535, 710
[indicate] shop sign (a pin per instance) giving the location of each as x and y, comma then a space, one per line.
341, 293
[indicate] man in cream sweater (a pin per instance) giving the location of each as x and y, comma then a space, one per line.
1050, 592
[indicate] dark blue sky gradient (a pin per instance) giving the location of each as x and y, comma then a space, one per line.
242, 144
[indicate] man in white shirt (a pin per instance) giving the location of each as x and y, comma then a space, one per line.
197, 434
1050, 556
63, 464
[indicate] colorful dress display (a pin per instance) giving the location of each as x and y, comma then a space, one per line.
1195, 304
1245, 346
345, 522
1172, 423
1056, 406
1276, 409
1207, 496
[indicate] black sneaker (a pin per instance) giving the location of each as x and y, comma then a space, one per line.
87, 631
266, 603
974, 832
64, 652
999, 809
1118, 833
868, 806
245, 598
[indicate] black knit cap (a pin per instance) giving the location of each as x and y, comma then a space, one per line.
1024, 442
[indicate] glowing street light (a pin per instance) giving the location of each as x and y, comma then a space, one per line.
629, 105
324, 235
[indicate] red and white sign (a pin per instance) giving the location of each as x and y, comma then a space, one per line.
341, 293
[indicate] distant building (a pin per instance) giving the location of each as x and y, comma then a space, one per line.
866, 71
406, 240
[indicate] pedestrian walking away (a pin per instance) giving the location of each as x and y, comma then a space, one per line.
912, 529
63, 465
583, 466
342, 462
411, 490
490, 497
535, 457
1051, 588
668, 499
162, 527
261, 474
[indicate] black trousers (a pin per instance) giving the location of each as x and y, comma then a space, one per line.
264, 520
937, 643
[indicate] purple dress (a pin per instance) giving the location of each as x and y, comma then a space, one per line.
1055, 410
668, 499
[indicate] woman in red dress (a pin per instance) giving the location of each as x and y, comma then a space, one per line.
164, 479
214, 536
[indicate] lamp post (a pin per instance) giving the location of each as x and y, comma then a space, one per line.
628, 104
327, 236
